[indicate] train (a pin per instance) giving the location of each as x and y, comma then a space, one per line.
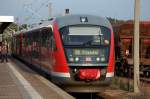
75, 51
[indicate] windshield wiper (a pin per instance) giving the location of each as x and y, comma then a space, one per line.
88, 42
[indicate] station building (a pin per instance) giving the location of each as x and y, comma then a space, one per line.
5, 21
125, 32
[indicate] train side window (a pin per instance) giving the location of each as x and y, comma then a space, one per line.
48, 39
54, 44
51, 40
44, 38
46, 34
49, 35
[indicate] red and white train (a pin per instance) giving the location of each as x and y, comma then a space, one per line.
76, 51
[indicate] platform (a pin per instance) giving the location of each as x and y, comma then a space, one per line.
8, 87
17, 81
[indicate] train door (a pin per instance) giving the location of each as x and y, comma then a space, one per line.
23, 45
29, 48
35, 47
20, 49
18, 44
46, 51
13, 45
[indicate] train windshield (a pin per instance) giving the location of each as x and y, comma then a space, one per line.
89, 35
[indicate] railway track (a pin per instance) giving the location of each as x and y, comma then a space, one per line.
144, 79
87, 96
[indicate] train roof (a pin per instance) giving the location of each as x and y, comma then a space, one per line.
71, 20
45, 24
77, 19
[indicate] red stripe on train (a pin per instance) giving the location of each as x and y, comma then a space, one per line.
110, 67
59, 55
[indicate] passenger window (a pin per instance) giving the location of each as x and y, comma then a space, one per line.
46, 35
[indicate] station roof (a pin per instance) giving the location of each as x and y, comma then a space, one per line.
4, 22
127, 29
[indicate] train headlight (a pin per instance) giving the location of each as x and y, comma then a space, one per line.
77, 59
97, 59
106, 42
71, 59
103, 59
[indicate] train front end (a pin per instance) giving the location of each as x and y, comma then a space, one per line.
84, 56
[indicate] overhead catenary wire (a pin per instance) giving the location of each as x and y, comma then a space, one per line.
33, 10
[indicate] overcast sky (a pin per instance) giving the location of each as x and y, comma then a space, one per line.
30, 11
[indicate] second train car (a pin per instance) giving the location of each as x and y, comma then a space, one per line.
76, 51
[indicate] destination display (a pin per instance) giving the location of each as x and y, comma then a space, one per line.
86, 52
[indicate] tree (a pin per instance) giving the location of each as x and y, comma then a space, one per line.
23, 26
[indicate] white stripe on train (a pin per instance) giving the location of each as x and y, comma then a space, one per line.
60, 74
110, 74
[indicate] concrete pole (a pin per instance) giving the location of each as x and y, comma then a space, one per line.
50, 10
136, 45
